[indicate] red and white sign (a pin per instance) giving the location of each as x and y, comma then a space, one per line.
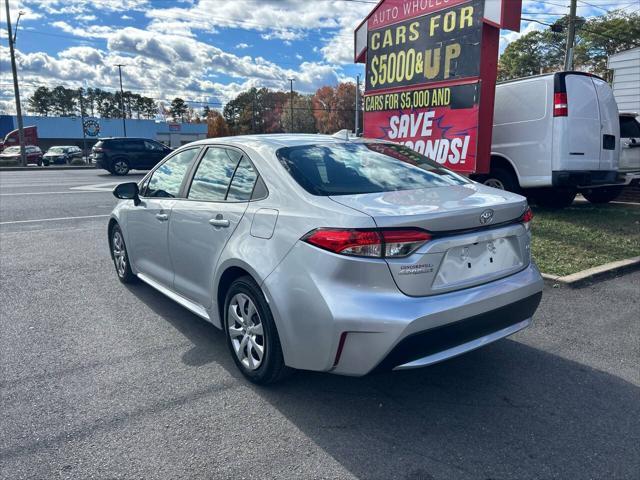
431, 74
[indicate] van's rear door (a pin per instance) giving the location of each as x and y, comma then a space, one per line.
610, 125
583, 124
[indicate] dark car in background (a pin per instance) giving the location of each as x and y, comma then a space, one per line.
33, 153
61, 154
119, 155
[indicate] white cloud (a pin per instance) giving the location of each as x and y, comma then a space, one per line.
242, 45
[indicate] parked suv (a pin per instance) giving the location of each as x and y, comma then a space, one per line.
555, 135
61, 154
119, 155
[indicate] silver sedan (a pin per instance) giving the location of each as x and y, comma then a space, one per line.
318, 253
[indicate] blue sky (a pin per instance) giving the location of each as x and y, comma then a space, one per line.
203, 50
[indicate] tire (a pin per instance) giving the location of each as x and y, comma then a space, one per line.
553, 197
120, 167
120, 256
602, 194
252, 311
502, 179
45, 163
39, 162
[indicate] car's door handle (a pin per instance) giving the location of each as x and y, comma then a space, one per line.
219, 222
162, 217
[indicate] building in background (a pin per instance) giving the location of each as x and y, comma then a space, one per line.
626, 79
68, 130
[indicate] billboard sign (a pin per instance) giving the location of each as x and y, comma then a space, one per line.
431, 68
439, 122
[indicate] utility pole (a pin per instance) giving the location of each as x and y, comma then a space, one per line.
12, 40
124, 123
84, 135
291, 104
571, 36
357, 128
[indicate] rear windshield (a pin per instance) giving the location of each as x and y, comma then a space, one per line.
352, 168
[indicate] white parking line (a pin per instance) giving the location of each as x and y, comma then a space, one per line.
52, 219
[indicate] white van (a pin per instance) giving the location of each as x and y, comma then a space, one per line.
556, 135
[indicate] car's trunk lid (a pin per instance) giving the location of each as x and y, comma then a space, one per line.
476, 236
439, 209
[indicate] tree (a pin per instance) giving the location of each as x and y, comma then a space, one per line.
216, 125
178, 109
63, 101
303, 119
334, 108
596, 39
40, 101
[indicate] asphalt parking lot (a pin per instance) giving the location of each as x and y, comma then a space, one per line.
100, 380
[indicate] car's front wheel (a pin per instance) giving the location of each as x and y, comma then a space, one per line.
120, 167
120, 256
251, 333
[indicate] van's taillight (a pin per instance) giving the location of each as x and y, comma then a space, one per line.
560, 105
382, 243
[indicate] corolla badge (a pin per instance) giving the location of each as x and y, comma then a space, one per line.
486, 216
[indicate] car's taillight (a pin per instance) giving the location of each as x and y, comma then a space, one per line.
560, 105
381, 243
526, 217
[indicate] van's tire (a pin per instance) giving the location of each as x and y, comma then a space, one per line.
502, 179
602, 194
553, 197
256, 317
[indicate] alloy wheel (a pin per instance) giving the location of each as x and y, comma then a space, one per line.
119, 254
495, 183
246, 331
120, 167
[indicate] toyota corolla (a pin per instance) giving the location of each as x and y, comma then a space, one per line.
312, 252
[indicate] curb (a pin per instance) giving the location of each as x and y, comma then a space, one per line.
600, 272
50, 167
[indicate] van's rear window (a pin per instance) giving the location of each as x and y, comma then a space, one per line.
352, 168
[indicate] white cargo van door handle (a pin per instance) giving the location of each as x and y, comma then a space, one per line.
219, 222
162, 217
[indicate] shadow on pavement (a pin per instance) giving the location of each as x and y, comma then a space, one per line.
505, 411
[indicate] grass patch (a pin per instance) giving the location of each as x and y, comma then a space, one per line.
584, 236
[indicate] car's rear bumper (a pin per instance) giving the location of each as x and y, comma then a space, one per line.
328, 319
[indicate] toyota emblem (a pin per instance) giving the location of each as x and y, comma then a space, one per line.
486, 216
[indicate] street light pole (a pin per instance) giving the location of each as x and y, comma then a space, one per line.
291, 104
571, 36
12, 39
124, 123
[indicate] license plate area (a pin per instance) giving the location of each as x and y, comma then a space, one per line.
478, 262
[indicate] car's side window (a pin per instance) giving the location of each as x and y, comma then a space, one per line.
213, 175
166, 180
153, 146
242, 182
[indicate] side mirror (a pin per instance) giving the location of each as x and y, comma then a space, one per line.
127, 191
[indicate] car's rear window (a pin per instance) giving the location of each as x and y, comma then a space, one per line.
352, 168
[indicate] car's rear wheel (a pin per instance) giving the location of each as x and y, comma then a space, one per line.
120, 256
602, 194
251, 333
120, 167
45, 163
